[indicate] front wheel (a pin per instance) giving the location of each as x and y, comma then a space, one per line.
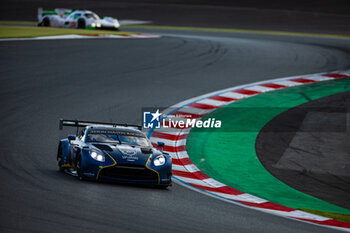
164, 186
81, 24
46, 22
79, 168
59, 158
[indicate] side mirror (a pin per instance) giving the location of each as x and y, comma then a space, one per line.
71, 137
160, 144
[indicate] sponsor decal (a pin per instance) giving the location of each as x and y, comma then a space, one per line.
129, 153
130, 158
89, 174
120, 132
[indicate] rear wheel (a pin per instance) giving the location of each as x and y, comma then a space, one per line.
81, 23
46, 22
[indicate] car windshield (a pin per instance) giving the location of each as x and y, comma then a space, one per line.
133, 138
139, 141
90, 15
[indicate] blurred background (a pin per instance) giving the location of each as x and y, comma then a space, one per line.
323, 16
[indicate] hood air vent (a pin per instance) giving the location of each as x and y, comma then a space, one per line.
146, 150
103, 147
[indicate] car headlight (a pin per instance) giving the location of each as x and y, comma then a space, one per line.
159, 160
93, 25
98, 25
97, 156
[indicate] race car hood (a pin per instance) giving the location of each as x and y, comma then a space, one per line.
109, 22
127, 154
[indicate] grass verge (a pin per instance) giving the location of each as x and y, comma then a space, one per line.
238, 165
18, 22
336, 216
25, 32
268, 32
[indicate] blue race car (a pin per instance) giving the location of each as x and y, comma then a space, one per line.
113, 152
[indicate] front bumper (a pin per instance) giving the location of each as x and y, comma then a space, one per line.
105, 27
133, 174
122, 171
102, 27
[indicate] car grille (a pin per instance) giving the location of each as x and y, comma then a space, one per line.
129, 171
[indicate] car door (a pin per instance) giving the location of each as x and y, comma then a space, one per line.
71, 20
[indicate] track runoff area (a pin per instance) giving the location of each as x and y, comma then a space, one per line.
199, 111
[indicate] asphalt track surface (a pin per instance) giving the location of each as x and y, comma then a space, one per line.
307, 147
111, 80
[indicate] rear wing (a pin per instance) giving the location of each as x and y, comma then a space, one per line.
77, 123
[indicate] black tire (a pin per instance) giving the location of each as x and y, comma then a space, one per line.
162, 186
59, 158
165, 186
81, 24
79, 169
46, 22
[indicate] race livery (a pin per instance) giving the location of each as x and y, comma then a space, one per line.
113, 152
67, 18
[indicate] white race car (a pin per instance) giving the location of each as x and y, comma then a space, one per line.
68, 18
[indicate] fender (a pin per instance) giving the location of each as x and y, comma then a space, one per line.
165, 170
65, 145
84, 159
